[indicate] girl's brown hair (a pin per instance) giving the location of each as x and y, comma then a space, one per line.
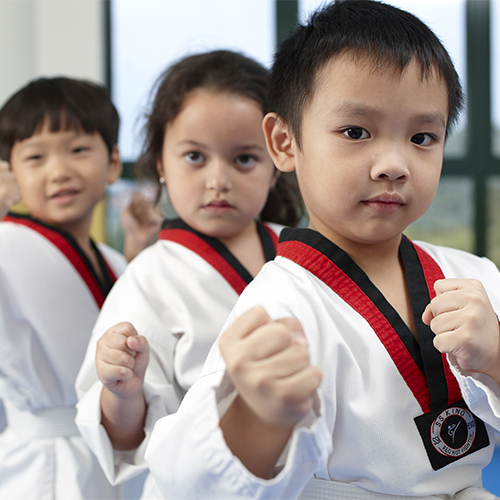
220, 71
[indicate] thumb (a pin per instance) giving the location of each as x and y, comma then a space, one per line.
427, 315
139, 346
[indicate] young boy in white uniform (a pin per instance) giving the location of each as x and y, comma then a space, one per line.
371, 368
60, 139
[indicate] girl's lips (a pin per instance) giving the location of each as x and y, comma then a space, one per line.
218, 207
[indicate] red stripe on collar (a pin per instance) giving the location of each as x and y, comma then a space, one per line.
328, 272
200, 247
432, 273
59, 241
272, 234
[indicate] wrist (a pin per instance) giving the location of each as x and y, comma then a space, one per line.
257, 443
494, 372
123, 419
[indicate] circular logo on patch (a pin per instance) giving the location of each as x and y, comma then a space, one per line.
453, 432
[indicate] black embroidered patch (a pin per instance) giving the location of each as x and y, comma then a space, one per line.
451, 433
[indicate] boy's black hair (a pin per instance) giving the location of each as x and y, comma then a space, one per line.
218, 71
366, 29
66, 102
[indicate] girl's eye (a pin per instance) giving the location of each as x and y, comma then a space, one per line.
80, 149
245, 160
356, 133
422, 139
194, 157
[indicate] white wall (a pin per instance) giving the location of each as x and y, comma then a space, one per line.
50, 38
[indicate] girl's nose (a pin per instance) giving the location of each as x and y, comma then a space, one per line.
218, 178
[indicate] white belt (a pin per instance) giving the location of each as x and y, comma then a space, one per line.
320, 489
43, 423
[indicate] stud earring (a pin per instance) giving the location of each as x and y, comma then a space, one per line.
162, 180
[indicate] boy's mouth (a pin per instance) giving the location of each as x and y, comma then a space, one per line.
387, 203
64, 194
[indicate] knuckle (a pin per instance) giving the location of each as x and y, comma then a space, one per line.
316, 375
224, 343
123, 373
260, 313
124, 359
235, 365
262, 383
282, 335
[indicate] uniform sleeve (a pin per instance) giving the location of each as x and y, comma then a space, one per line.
133, 299
187, 454
481, 393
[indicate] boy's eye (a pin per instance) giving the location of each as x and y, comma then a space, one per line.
34, 157
245, 160
194, 157
80, 149
422, 139
356, 133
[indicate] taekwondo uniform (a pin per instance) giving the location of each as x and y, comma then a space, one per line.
393, 419
50, 297
177, 293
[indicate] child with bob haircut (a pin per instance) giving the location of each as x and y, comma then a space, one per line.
204, 143
358, 364
59, 139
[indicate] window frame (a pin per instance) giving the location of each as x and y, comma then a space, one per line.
478, 162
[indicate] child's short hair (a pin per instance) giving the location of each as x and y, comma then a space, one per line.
219, 71
66, 102
366, 29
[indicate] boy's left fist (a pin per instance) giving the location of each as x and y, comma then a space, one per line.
465, 324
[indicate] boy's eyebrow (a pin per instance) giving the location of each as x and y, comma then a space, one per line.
355, 109
27, 143
35, 140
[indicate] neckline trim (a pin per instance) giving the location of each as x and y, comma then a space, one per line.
216, 253
74, 253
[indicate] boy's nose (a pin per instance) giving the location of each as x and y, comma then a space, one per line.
218, 178
391, 166
59, 170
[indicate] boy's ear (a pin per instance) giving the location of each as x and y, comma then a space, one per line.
280, 142
115, 165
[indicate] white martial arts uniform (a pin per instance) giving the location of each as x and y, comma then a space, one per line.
178, 293
49, 301
360, 440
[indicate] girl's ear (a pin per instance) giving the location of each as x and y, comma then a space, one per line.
115, 165
280, 142
159, 169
